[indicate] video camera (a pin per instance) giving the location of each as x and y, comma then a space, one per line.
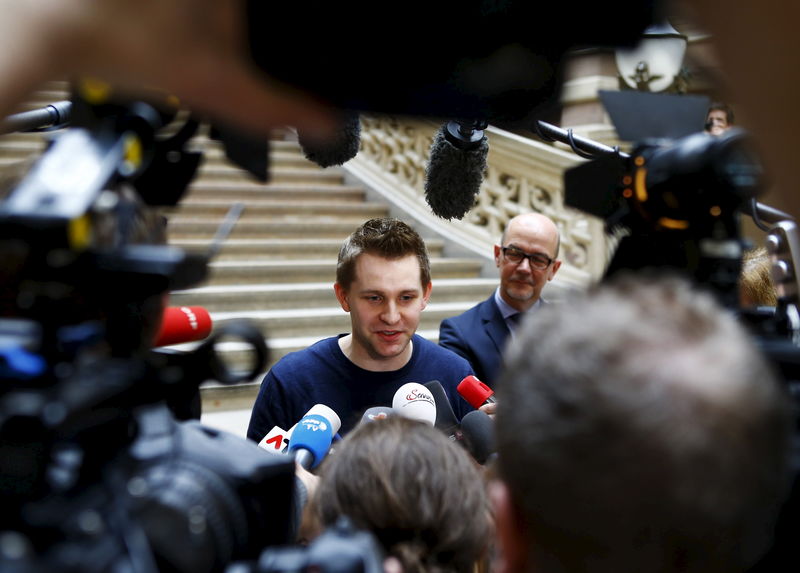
96, 472
678, 197
677, 200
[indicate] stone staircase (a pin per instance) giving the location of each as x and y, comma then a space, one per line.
277, 267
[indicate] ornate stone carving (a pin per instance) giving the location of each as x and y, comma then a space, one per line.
523, 175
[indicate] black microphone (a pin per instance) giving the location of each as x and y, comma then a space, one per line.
445, 417
477, 429
337, 150
376, 413
455, 168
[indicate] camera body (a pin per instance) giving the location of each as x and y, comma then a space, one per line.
96, 472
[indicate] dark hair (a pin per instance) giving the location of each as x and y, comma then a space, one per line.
388, 238
419, 493
639, 429
720, 106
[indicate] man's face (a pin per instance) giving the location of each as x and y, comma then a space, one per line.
384, 301
718, 121
520, 283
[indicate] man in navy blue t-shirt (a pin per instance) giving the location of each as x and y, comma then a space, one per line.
383, 280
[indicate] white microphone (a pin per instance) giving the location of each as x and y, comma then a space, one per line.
416, 402
328, 414
276, 441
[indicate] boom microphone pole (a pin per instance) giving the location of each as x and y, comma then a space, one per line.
53, 116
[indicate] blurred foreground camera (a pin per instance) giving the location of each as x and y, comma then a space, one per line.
340, 549
96, 472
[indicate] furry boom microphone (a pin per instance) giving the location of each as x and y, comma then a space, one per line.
337, 150
455, 168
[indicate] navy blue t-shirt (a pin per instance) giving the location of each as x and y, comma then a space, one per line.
322, 374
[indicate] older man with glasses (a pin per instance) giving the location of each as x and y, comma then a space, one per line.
527, 257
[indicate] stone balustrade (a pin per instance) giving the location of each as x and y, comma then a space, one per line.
523, 175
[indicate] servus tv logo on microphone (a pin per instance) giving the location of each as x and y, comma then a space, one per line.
414, 401
416, 394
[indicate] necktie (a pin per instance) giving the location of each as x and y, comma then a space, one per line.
516, 319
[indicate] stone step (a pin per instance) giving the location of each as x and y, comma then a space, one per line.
48, 95
21, 148
214, 147
277, 174
334, 227
315, 270
323, 321
264, 207
277, 157
21, 139
249, 191
231, 298
279, 249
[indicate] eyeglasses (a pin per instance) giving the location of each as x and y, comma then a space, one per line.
537, 260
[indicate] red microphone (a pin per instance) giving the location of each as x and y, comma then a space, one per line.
475, 392
181, 324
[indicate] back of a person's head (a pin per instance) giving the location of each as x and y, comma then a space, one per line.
756, 287
418, 492
639, 429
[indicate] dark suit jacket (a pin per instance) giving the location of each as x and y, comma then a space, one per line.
478, 335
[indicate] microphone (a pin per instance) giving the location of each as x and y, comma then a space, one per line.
338, 150
445, 417
475, 392
311, 439
327, 413
276, 440
477, 429
455, 168
376, 413
415, 401
181, 324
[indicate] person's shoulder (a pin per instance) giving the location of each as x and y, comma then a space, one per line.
302, 358
432, 351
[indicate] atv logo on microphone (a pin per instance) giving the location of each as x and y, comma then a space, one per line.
419, 395
314, 425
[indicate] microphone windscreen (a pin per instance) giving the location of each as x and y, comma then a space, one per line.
314, 434
445, 417
336, 150
376, 413
474, 391
477, 430
453, 176
416, 402
328, 414
181, 324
